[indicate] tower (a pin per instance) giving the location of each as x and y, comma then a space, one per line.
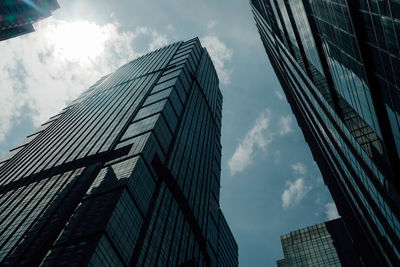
127, 174
338, 64
17, 16
323, 244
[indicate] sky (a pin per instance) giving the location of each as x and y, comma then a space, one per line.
270, 184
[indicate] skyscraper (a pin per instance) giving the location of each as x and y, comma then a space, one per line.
324, 244
127, 174
338, 63
17, 16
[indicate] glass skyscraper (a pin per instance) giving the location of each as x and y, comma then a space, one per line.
17, 16
338, 62
127, 174
324, 244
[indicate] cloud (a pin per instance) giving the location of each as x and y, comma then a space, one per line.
170, 28
299, 168
219, 54
11, 102
285, 124
280, 95
43, 71
259, 137
294, 193
157, 39
331, 211
297, 190
211, 24
256, 137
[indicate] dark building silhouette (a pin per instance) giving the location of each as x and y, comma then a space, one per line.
127, 174
324, 244
339, 65
17, 16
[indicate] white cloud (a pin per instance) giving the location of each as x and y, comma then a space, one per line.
170, 28
158, 40
297, 190
331, 211
294, 193
256, 137
285, 124
259, 136
280, 95
41, 72
299, 168
219, 54
11, 102
211, 24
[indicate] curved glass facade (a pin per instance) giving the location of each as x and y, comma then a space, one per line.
330, 78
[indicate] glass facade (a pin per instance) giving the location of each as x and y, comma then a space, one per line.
16, 16
324, 244
227, 247
127, 174
336, 61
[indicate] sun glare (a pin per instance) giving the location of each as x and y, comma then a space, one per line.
77, 41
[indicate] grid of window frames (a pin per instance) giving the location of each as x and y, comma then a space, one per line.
323, 71
127, 174
310, 246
